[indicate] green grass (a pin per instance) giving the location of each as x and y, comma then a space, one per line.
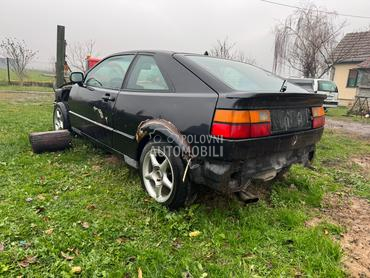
340, 113
334, 162
32, 75
25, 88
128, 231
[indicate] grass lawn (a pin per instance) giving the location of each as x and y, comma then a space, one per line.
25, 88
32, 75
82, 211
340, 113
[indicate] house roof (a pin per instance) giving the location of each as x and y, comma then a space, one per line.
354, 47
365, 64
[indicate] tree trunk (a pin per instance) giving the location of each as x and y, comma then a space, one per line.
50, 141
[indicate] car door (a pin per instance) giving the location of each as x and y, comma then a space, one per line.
91, 104
145, 85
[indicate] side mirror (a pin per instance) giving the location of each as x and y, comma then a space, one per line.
76, 77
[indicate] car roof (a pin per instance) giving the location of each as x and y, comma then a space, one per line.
211, 81
151, 51
168, 53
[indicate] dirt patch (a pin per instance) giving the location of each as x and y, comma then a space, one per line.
213, 199
356, 129
114, 160
353, 213
332, 162
364, 163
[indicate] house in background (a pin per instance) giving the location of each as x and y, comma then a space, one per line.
351, 51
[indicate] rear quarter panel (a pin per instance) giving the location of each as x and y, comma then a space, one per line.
189, 106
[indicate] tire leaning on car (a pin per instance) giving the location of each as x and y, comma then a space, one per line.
60, 117
161, 174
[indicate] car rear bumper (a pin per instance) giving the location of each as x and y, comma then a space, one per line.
265, 146
261, 158
330, 104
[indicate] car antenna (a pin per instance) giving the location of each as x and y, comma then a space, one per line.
283, 87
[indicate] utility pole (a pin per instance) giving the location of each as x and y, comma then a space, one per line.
61, 53
7, 66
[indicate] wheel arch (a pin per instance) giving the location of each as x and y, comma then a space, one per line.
141, 146
149, 129
62, 94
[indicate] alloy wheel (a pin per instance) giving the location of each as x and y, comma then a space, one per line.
58, 120
158, 175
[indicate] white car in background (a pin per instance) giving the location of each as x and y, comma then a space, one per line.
319, 86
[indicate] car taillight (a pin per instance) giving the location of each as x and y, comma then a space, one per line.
318, 117
241, 124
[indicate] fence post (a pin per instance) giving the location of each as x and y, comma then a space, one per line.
7, 66
61, 52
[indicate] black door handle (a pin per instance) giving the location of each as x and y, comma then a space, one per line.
107, 98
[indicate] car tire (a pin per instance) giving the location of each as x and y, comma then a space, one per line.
60, 117
161, 174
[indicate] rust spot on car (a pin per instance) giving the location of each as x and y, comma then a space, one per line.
152, 127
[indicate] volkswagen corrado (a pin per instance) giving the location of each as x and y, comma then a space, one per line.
186, 120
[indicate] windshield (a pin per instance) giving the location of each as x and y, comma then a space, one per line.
327, 86
241, 76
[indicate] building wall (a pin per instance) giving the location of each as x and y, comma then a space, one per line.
346, 95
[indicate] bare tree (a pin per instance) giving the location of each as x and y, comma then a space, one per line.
19, 54
306, 41
51, 66
78, 52
226, 49
240, 56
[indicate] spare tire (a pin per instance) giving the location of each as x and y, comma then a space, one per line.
50, 141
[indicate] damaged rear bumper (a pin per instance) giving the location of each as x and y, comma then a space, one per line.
260, 159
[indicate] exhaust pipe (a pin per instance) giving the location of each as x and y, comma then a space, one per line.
247, 197
266, 176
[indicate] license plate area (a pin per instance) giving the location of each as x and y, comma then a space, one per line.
289, 120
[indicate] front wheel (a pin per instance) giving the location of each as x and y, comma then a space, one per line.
161, 174
60, 117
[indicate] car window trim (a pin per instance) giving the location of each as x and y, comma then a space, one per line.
109, 57
164, 75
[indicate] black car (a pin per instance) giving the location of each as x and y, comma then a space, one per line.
187, 120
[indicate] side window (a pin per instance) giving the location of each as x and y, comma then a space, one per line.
110, 73
352, 78
146, 75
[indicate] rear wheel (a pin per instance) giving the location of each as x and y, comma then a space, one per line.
161, 175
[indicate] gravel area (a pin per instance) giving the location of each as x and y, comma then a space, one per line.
353, 128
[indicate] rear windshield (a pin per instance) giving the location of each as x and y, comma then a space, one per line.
241, 76
327, 86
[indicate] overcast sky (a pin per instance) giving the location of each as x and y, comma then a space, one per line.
186, 25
